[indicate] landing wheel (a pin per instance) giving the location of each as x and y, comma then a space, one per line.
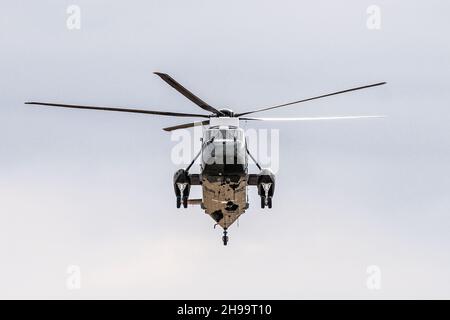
263, 202
269, 202
185, 202
225, 238
178, 202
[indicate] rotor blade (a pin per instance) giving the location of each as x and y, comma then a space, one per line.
312, 118
185, 92
313, 98
187, 125
161, 113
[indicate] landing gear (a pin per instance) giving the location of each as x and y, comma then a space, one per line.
225, 237
266, 199
266, 202
183, 201
182, 192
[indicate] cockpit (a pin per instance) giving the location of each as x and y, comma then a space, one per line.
224, 151
224, 134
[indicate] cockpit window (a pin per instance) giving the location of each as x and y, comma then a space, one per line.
224, 134
225, 151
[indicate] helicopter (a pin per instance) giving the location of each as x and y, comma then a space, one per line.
224, 170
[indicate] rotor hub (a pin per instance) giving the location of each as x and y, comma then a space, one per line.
227, 113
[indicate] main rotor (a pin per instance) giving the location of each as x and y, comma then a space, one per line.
213, 112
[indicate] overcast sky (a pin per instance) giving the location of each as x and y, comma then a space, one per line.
94, 189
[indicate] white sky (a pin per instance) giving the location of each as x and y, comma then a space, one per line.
95, 189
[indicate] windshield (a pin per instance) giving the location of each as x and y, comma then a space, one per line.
224, 152
224, 134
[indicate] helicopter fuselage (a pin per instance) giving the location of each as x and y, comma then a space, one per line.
224, 173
